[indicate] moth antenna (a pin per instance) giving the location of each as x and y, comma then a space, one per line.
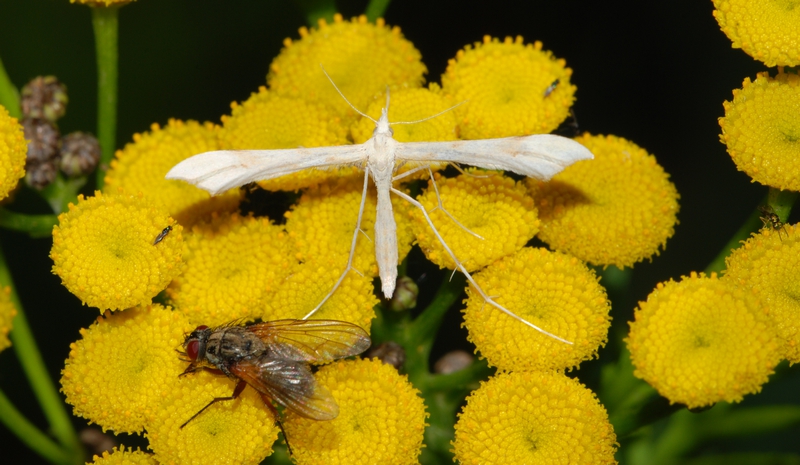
348, 101
423, 119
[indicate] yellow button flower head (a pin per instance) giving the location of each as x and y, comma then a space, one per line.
769, 263
269, 121
506, 84
533, 418
761, 128
703, 340
104, 251
124, 457
552, 290
231, 263
236, 431
491, 205
321, 224
309, 281
13, 150
767, 31
361, 59
381, 418
125, 363
7, 314
142, 165
614, 210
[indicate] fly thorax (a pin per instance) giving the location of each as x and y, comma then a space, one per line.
232, 344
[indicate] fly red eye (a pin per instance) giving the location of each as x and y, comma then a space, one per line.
192, 349
201, 328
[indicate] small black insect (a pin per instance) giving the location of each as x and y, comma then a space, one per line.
551, 88
771, 219
162, 235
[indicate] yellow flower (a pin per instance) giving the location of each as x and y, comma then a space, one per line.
614, 210
361, 58
7, 314
506, 88
104, 251
381, 418
234, 431
769, 263
310, 281
533, 418
13, 150
141, 166
124, 457
231, 263
703, 340
125, 363
490, 205
270, 121
767, 31
554, 291
322, 223
761, 128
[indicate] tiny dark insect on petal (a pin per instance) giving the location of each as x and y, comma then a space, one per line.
551, 88
162, 235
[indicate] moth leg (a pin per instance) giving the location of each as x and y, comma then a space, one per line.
277, 417
441, 207
352, 248
485, 297
236, 391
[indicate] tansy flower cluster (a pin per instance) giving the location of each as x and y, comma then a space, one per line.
218, 265
13, 149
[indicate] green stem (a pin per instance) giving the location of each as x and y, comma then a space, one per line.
314, 10
751, 224
106, 33
376, 9
34, 225
34, 367
461, 379
781, 202
9, 95
30, 435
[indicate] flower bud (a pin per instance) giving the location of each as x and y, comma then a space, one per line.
43, 140
44, 97
80, 153
405, 295
390, 353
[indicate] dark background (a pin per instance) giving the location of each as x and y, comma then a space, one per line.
653, 72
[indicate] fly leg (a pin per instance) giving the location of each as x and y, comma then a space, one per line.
276, 415
236, 391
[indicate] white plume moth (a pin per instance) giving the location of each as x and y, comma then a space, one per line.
538, 156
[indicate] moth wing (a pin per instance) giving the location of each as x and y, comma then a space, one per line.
539, 156
290, 383
221, 170
312, 341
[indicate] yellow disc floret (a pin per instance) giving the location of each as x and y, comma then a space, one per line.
767, 31
361, 58
13, 150
125, 363
141, 166
231, 263
7, 314
124, 457
381, 418
322, 224
761, 128
486, 204
533, 418
235, 431
511, 89
105, 253
703, 340
551, 290
769, 263
617, 209
269, 121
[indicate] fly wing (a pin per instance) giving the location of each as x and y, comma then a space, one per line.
290, 383
312, 341
539, 156
221, 170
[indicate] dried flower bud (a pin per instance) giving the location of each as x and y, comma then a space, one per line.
44, 97
40, 175
43, 139
80, 153
405, 295
453, 361
390, 353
